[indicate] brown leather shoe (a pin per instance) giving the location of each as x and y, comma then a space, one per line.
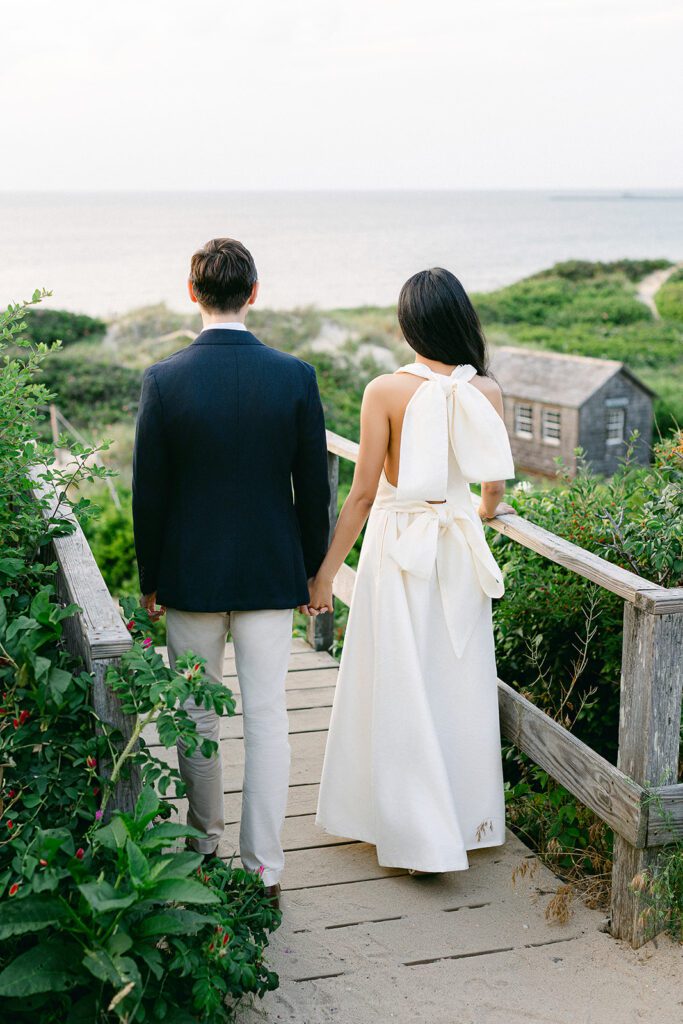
273, 894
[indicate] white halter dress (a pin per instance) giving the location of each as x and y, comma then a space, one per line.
413, 760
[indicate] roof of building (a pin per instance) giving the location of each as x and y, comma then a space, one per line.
553, 376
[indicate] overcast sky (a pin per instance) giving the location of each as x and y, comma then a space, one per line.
214, 94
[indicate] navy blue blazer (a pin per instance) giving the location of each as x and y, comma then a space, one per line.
230, 487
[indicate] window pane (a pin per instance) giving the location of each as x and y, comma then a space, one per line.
615, 425
524, 424
551, 425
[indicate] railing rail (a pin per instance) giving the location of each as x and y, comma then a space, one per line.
96, 634
625, 796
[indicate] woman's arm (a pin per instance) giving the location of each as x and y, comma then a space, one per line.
493, 490
374, 442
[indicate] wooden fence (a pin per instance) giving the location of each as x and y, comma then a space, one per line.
96, 634
625, 797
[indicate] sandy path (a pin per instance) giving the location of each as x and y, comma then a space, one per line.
650, 285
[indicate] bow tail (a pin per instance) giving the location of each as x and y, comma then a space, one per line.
416, 548
461, 594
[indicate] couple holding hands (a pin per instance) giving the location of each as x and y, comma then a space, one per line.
231, 517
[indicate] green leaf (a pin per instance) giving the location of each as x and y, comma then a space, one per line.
147, 806
163, 834
173, 922
137, 864
181, 890
101, 966
58, 683
103, 897
29, 915
112, 836
43, 968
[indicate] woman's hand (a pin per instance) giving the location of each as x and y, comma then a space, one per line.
501, 509
320, 595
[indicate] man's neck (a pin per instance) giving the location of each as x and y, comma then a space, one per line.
215, 317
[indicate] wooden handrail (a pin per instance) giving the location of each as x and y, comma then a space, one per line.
612, 577
625, 796
96, 633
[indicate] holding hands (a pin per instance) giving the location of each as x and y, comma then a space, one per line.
320, 596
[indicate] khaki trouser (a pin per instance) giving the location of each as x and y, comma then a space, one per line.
262, 642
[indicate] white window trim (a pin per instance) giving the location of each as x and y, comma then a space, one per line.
616, 440
527, 435
549, 439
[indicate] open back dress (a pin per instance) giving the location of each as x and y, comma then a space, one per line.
413, 760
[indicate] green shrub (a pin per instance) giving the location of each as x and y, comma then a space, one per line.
99, 920
92, 392
669, 298
635, 519
48, 325
585, 270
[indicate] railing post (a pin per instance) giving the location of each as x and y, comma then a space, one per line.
320, 632
649, 725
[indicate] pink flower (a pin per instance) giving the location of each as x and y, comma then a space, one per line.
261, 870
98, 815
147, 642
130, 626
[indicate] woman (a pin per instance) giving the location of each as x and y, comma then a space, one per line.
413, 760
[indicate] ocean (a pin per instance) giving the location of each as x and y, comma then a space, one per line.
103, 253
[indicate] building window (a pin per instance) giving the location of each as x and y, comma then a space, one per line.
524, 420
616, 418
550, 426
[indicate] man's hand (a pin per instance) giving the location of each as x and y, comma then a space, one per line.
149, 602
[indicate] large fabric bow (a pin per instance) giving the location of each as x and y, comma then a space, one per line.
467, 572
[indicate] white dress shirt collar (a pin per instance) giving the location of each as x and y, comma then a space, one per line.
237, 325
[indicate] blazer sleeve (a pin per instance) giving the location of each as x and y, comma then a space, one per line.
150, 483
310, 480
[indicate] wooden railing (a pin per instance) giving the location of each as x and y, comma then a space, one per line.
96, 634
639, 798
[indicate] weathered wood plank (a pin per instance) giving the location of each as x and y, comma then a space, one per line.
666, 825
102, 634
649, 723
298, 833
344, 582
300, 661
320, 632
232, 727
353, 862
339, 445
590, 777
571, 556
301, 800
307, 758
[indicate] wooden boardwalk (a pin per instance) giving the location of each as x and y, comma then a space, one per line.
361, 943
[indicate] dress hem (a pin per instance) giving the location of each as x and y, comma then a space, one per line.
371, 842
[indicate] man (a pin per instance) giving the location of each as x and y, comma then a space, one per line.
230, 510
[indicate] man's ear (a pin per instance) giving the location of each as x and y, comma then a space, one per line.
254, 293
190, 292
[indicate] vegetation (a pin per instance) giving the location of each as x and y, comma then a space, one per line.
669, 298
558, 637
102, 917
49, 325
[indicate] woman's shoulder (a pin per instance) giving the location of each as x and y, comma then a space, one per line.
487, 385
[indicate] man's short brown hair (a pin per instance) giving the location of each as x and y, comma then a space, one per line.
223, 274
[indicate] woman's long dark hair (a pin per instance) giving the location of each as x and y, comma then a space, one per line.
439, 321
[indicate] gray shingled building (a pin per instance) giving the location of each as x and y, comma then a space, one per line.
555, 403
